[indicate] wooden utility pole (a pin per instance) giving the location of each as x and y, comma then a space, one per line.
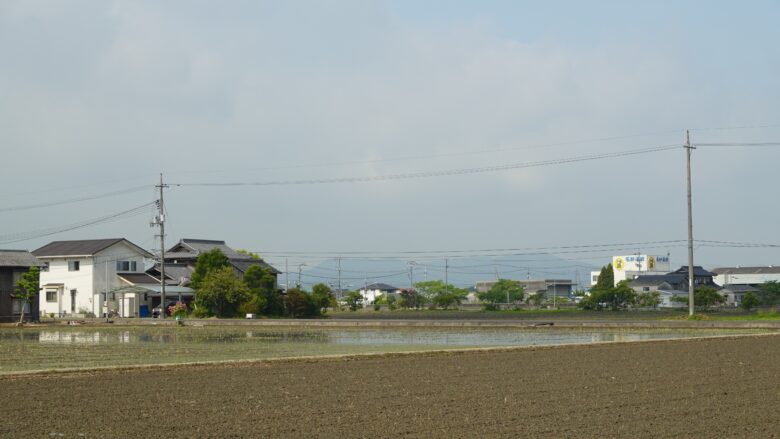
688, 149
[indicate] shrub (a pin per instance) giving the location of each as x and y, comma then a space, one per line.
749, 301
392, 303
299, 304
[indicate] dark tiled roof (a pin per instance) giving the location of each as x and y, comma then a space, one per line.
747, 270
194, 247
243, 264
86, 247
17, 258
650, 280
697, 271
381, 287
737, 288
189, 249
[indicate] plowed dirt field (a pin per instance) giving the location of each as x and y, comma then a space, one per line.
701, 388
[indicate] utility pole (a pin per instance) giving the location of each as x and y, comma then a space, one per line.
688, 149
299, 274
286, 276
160, 221
446, 275
411, 275
340, 292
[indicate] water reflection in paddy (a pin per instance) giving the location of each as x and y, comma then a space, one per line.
33, 349
457, 337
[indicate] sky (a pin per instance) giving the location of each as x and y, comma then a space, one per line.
100, 97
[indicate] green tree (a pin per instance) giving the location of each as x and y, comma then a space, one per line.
299, 304
650, 299
602, 294
391, 302
208, 261
749, 301
27, 288
537, 298
618, 297
621, 296
323, 297
252, 255
769, 293
440, 295
503, 291
262, 283
412, 299
221, 293
606, 279
354, 300
706, 297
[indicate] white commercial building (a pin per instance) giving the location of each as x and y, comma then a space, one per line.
746, 275
630, 266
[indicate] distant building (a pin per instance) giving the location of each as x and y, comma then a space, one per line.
631, 266
549, 287
746, 275
14, 263
672, 284
734, 293
371, 291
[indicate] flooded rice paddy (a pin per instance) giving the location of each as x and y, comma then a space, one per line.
36, 349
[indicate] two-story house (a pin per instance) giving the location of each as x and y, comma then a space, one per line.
80, 277
180, 259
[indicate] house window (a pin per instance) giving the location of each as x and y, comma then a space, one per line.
18, 304
51, 295
125, 266
45, 267
645, 288
73, 265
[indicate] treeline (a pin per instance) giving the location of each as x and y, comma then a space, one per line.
220, 293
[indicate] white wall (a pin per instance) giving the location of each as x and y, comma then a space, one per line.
105, 264
96, 274
746, 279
80, 280
370, 296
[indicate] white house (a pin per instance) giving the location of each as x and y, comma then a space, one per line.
372, 291
80, 277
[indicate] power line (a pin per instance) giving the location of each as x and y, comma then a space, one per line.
738, 144
74, 200
743, 127
454, 251
449, 172
25, 236
433, 156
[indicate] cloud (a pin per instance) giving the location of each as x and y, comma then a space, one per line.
248, 92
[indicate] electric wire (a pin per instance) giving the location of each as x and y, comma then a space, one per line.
74, 200
443, 173
25, 236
